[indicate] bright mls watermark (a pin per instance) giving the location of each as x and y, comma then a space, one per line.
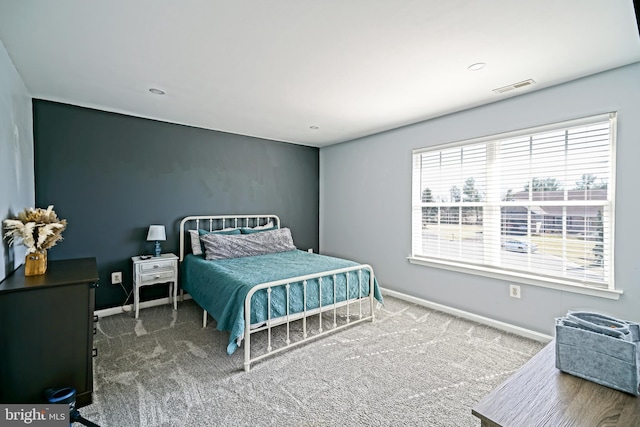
51, 415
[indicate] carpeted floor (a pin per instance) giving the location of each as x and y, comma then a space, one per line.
411, 367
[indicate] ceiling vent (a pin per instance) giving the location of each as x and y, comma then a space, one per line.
518, 85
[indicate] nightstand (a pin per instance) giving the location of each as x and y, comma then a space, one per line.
152, 271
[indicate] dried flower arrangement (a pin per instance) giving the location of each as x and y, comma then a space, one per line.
37, 229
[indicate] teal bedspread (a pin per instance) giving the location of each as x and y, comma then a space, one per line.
221, 286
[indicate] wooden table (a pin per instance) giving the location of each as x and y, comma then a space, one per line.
538, 394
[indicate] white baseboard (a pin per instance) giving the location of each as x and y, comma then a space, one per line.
129, 307
527, 333
507, 327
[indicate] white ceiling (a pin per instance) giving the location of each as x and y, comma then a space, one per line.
274, 69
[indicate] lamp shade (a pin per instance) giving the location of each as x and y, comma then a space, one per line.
156, 232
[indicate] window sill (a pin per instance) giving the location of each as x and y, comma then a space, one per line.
557, 284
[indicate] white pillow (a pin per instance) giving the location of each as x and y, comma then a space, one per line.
196, 249
262, 227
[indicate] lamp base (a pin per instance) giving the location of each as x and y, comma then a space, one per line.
157, 252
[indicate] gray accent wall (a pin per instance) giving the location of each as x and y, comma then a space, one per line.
365, 201
112, 175
16, 156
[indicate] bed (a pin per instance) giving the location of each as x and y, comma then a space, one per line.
257, 281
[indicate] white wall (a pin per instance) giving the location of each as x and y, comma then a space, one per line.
365, 201
17, 190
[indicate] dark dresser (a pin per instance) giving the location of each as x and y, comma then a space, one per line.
46, 331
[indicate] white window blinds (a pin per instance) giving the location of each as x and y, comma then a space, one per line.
537, 202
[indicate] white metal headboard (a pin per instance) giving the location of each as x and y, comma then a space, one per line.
218, 222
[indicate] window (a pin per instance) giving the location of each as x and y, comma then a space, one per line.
535, 204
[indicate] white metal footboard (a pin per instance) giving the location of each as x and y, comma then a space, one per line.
305, 314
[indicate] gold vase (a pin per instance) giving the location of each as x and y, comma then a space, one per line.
35, 263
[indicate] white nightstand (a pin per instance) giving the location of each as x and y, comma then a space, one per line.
154, 270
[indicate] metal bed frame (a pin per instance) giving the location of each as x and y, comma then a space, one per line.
216, 222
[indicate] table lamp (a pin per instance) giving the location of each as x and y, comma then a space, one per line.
156, 233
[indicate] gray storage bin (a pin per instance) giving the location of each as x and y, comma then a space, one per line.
599, 348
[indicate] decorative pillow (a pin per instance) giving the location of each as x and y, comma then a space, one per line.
259, 228
223, 231
218, 246
196, 245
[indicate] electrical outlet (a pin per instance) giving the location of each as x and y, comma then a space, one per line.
116, 277
514, 291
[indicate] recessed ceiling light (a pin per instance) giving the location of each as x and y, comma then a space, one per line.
314, 127
477, 66
155, 91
